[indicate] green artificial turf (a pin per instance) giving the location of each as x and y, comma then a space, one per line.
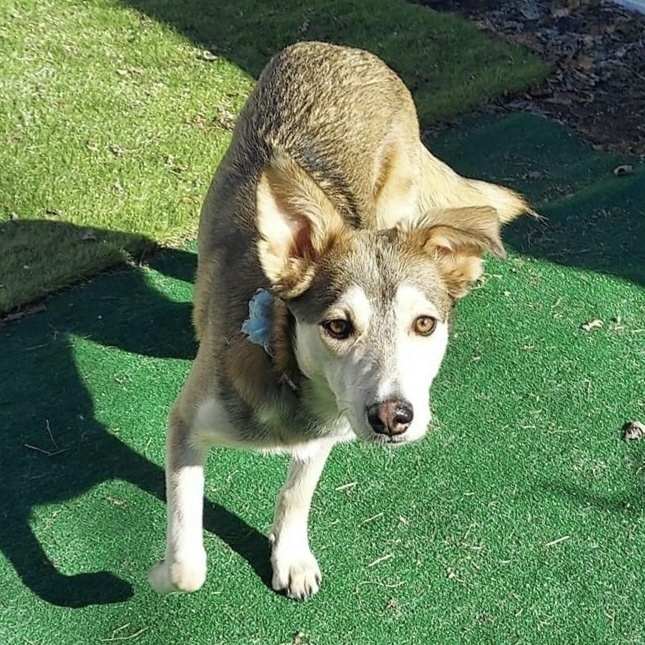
114, 115
519, 519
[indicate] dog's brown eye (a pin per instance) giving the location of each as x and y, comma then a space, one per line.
339, 329
424, 325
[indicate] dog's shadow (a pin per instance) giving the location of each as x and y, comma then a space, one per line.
42, 391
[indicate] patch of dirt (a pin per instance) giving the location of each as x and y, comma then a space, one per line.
596, 51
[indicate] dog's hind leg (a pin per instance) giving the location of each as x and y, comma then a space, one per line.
295, 569
184, 565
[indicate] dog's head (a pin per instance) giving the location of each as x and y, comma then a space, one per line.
371, 308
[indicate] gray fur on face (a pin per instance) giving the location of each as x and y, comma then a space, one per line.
378, 262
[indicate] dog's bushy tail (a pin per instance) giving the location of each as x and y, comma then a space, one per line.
442, 187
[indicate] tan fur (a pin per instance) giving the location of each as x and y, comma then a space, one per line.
442, 187
458, 248
296, 224
390, 174
325, 177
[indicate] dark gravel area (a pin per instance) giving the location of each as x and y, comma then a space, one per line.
597, 54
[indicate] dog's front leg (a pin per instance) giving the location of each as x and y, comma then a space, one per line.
295, 570
184, 565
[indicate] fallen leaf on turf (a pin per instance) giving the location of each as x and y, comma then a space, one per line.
114, 501
208, 56
88, 235
117, 150
225, 119
298, 638
592, 324
625, 169
633, 430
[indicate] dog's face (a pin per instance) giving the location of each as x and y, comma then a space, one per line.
371, 308
371, 330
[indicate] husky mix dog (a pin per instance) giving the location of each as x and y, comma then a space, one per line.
332, 248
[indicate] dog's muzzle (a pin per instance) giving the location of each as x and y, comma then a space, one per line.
390, 418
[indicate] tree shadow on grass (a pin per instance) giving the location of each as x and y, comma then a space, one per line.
41, 389
424, 47
248, 32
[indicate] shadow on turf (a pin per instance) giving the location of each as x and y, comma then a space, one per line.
600, 228
41, 390
631, 500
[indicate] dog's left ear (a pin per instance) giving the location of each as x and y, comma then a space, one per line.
296, 224
457, 239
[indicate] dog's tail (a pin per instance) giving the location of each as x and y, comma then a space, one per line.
508, 204
442, 187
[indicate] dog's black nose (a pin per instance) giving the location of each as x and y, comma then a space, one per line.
390, 417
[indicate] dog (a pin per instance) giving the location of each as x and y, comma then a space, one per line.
332, 248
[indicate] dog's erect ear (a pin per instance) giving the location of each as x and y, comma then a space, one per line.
296, 223
457, 238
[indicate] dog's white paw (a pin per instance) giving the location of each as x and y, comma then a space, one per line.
179, 575
295, 573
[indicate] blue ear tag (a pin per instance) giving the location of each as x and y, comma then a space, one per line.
258, 325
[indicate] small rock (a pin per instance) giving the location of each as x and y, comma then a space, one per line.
529, 10
560, 12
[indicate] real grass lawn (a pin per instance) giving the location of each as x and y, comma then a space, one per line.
519, 519
114, 115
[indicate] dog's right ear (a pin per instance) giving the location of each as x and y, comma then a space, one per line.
457, 238
296, 224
